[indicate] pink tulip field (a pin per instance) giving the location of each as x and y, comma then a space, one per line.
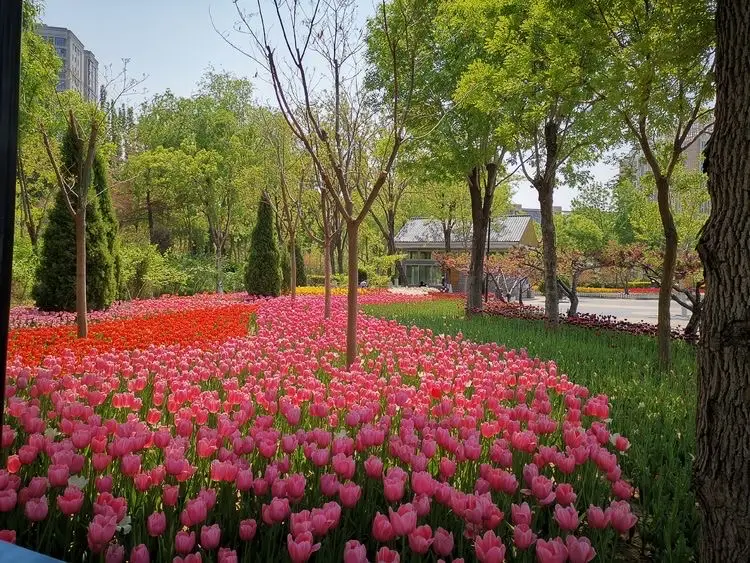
264, 447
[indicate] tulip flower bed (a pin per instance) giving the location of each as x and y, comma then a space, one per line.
261, 446
656, 409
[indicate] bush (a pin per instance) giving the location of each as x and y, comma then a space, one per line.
25, 264
147, 273
109, 221
54, 289
316, 280
263, 272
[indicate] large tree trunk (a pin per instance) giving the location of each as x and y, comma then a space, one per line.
722, 464
664, 328
81, 306
480, 223
551, 298
352, 229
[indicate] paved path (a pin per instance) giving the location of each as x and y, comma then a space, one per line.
634, 310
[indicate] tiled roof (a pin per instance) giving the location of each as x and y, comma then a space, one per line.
428, 233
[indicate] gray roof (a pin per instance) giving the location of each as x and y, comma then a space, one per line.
419, 233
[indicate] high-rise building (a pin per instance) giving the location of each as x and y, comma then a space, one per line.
634, 164
80, 70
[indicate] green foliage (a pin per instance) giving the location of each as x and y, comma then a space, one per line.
109, 220
300, 262
263, 271
25, 264
54, 289
655, 410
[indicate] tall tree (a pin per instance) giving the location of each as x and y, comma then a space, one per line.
540, 63
663, 52
722, 464
329, 122
263, 269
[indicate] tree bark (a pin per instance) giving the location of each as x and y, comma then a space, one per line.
480, 209
28, 218
292, 265
352, 229
81, 305
551, 298
722, 464
664, 328
447, 232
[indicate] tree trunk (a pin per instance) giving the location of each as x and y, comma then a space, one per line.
292, 265
551, 298
219, 269
81, 306
479, 221
150, 215
28, 218
327, 278
722, 464
447, 232
664, 328
573, 310
352, 293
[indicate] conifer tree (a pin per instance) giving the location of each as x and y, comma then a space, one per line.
263, 271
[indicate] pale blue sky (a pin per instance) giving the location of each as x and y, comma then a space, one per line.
173, 42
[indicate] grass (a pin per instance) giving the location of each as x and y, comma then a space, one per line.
654, 409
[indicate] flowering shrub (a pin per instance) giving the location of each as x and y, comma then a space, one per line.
599, 290
212, 448
585, 320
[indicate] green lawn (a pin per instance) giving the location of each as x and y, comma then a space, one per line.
655, 410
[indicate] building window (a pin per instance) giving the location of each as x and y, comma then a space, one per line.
60, 41
418, 274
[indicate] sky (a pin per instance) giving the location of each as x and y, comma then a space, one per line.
173, 42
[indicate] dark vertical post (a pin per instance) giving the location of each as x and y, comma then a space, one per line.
486, 259
10, 69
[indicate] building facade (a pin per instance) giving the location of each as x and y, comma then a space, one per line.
420, 238
635, 166
80, 70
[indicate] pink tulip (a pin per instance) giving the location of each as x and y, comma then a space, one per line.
597, 518
420, 539
404, 520
329, 484
552, 551
622, 490
374, 467
349, 494
184, 542
355, 552
115, 554
579, 549
489, 548
566, 517
36, 509
227, 555
276, 512
442, 543
248, 529
210, 536
8, 499
140, 554
71, 501
565, 494
523, 537
620, 516
521, 514
385, 555
447, 468
382, 530
302, 547
58, 475
170, 494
